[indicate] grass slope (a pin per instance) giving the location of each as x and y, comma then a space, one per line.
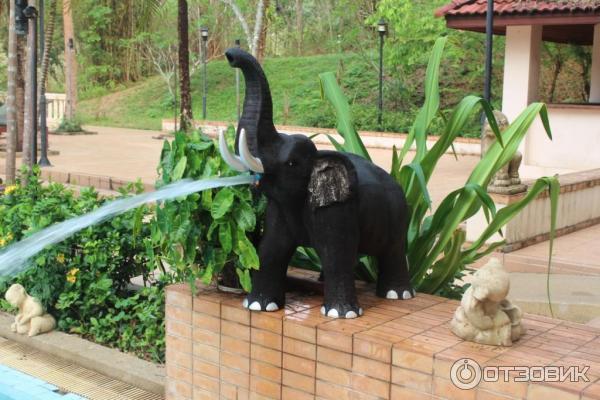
294, 85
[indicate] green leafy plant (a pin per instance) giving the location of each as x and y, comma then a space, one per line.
69, 126
437, 251
85, 280
198, 236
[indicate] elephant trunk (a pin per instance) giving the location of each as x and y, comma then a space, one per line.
257, 115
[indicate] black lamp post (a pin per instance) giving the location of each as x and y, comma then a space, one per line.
31, 14
204, 33
44, 162
489, 35
237, 84
382, 29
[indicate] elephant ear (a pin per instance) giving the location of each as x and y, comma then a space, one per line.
333, 179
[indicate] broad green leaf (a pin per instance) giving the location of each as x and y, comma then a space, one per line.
179, 169
497, 156
245, 280
410, 173
203, 145
207, 199
431, 105
345, 125
244, 216
338, 146
396, 164
221, 203
507, 213
246, 252
485, 198
225, 237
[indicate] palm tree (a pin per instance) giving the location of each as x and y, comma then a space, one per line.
48, 35
11, 112
186, 117
70, 61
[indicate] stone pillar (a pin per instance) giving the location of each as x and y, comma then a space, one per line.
595, 70
521, 71
521, 68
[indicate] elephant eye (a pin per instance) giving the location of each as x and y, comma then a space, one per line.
292, 163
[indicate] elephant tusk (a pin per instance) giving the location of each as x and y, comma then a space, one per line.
231, 160
248, 159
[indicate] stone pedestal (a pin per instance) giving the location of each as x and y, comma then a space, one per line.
398, 350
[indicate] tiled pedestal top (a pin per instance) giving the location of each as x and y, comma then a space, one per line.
398, 350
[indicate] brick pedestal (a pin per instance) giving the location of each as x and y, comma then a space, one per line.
398, 350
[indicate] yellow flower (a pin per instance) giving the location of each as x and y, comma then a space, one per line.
2, 242
10, 189
60, 258
72, 275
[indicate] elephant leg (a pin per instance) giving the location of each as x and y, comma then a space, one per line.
393, 281
335, 236
275, 251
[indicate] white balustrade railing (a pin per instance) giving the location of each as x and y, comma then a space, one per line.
55, 109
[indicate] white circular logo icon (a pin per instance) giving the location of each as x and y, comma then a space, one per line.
465, 373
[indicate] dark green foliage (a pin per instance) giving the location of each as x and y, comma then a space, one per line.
195, 237
84, 280
69, 126
437, 250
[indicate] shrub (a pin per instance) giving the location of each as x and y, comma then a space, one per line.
69, 125
196, 237
84, 281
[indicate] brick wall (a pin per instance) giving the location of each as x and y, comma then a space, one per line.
398, 350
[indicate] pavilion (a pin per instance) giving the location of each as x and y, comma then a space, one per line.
526, 23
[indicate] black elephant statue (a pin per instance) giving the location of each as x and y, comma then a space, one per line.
340, 204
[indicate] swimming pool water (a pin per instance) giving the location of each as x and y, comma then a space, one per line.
15, 385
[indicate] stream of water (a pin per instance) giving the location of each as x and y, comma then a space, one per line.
13, 259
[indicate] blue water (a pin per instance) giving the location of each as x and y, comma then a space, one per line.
13, 259
15, 385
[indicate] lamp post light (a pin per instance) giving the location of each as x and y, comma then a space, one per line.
489, 35
237, 84
20, 19
382, 29
487, 84
204, 34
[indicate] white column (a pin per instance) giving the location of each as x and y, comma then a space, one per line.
595, 73
521, 68
521, 73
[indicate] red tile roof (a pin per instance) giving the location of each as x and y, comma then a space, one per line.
518, 7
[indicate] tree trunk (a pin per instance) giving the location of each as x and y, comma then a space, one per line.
262, 41
258, 25
20, 95
11, 100
186, 118
48, 35
70, 62
299, 26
